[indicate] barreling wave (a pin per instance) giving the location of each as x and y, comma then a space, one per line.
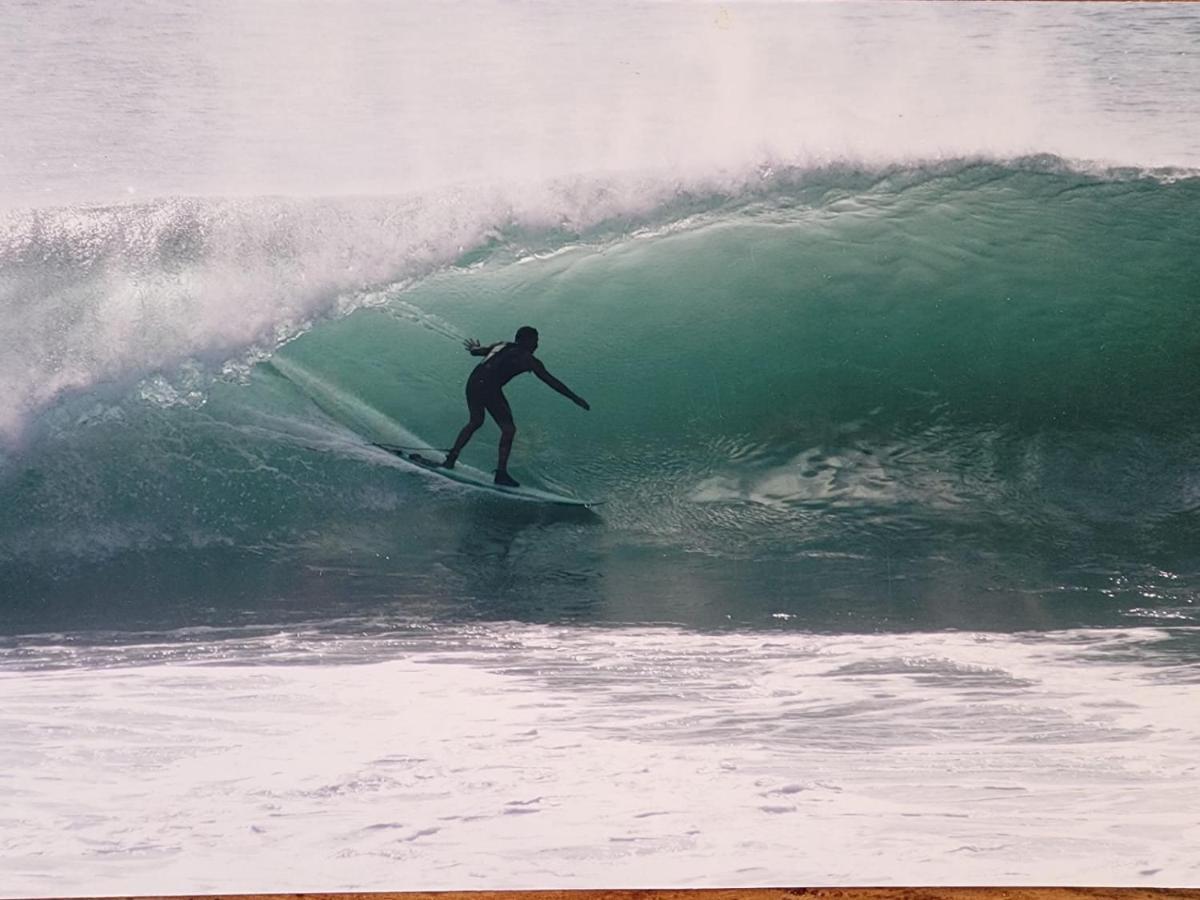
965, 393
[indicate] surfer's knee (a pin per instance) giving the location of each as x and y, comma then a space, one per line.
508, 429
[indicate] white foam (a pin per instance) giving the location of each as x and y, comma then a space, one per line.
594, 758
368, 98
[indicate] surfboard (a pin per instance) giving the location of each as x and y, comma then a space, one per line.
463, 474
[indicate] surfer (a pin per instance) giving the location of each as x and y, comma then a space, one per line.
504, 361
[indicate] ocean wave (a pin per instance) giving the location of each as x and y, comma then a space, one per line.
99, 294
896, 375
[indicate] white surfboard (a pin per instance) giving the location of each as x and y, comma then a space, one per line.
475, 478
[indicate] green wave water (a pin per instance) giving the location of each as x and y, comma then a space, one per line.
959, 396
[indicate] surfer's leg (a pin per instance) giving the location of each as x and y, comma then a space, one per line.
497, 405
475, 404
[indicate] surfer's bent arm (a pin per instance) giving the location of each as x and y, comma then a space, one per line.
540, 371
477, 349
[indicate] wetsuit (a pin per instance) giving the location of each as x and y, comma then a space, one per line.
485, 391
504, 362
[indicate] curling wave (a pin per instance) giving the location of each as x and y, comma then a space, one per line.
958, 394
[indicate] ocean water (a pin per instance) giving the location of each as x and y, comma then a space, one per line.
887, 315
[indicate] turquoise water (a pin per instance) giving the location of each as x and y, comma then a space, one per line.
955, 395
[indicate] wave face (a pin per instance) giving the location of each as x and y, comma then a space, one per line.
963, 394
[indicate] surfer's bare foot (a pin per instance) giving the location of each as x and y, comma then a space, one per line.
449, 461
506, 480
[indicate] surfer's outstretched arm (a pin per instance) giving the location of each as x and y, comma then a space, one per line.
549, 379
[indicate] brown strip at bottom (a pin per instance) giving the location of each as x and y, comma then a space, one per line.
822, 893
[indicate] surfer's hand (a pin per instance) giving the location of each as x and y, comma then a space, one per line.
579, 401
471, 344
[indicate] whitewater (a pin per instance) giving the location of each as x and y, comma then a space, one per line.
887, 315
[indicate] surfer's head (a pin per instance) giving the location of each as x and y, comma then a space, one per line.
527, 337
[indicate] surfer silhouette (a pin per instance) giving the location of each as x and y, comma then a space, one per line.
504, 361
